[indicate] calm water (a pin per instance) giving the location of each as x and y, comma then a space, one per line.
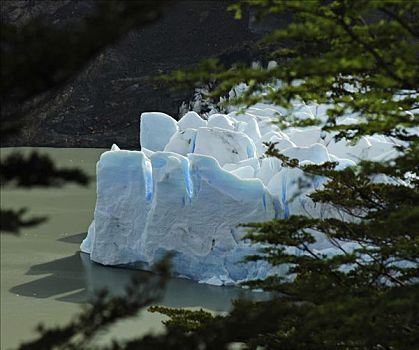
44, 277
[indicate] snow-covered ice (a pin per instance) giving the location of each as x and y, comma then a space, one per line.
195, 181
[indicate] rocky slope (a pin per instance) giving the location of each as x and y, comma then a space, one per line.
103, 103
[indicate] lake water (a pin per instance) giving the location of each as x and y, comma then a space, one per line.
45, 278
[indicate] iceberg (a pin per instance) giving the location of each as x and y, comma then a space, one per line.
156, 129
194, 183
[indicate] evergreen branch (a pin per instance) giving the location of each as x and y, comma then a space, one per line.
400, 20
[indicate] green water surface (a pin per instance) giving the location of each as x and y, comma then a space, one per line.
45, 278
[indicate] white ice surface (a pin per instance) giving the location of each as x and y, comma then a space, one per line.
195, 181
156, 129
191, 120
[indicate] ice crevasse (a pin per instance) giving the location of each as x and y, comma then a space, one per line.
195, 181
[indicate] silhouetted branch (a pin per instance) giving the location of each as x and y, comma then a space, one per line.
11, 221
38, 170
105, 311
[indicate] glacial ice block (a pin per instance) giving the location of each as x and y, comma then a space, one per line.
124, 193
156, 129
252, 130
220, 121
253, 162
186, 205
201, 227
182, 142
244, 172
225, 146
316, 153
195, 182
191, 120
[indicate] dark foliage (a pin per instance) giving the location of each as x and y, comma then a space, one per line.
31, 171
12, 220
38, 170
104, 311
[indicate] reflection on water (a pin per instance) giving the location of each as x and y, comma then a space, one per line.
80, 278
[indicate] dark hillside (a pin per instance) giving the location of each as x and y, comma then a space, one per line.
102, 104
